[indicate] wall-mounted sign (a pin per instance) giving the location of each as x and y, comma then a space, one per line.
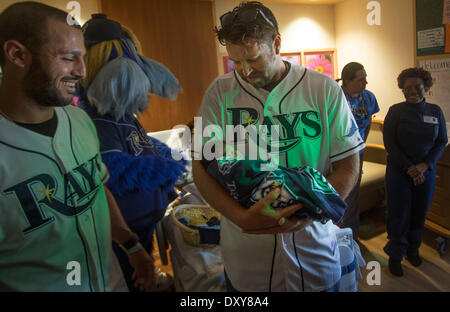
440, 91
431, 39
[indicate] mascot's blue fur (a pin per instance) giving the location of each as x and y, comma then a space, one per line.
144, 173
119, 89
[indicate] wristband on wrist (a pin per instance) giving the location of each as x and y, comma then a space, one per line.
134, 249
132, 244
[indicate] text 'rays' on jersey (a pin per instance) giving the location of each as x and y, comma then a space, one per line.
76, 194
293, 127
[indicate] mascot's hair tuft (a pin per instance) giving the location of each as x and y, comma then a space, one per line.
122, 94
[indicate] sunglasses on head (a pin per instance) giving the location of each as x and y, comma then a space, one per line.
246, 15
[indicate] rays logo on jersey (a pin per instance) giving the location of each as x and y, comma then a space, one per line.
133, 139
76, 194
139, 140
353, 129
289, 124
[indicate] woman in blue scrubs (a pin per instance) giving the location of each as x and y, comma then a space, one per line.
415, 136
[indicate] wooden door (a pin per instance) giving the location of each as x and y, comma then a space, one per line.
178, 34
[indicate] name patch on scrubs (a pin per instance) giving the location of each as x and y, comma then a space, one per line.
430, 119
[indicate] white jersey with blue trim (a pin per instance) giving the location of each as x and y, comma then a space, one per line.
53, 207
317, 128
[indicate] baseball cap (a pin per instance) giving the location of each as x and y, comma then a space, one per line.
99, 28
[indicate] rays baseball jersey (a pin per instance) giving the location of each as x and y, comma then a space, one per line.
316, 128
54, 217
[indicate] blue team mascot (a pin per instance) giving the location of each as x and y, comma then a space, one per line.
142, 173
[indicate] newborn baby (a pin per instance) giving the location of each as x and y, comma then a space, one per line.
247, 183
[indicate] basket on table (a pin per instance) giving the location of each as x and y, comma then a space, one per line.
197, 215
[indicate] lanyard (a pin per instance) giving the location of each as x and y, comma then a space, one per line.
359, 111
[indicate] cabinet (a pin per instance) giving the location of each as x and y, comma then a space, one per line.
438, 218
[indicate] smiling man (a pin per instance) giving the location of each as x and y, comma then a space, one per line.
54, 208
273, 250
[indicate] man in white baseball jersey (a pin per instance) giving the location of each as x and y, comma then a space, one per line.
56, 217
266, 250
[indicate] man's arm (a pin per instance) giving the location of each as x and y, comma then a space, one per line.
120, 231
261, 216
140, 260
345, 174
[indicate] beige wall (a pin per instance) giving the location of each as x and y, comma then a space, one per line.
302, 27
384, 50
87, 6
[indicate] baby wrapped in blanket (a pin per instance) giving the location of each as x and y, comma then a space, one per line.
248, 183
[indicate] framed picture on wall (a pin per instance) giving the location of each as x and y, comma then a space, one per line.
293, 58
228, 65
323, 61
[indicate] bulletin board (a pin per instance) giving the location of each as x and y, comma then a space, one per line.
433, 52
440, 91
432, 36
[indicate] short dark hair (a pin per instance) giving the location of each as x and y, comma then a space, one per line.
349, 71
415, 72
258, 28
26, 22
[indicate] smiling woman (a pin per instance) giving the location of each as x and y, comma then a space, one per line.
414, 83
415, 136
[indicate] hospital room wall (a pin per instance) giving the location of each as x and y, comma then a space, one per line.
384, 50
